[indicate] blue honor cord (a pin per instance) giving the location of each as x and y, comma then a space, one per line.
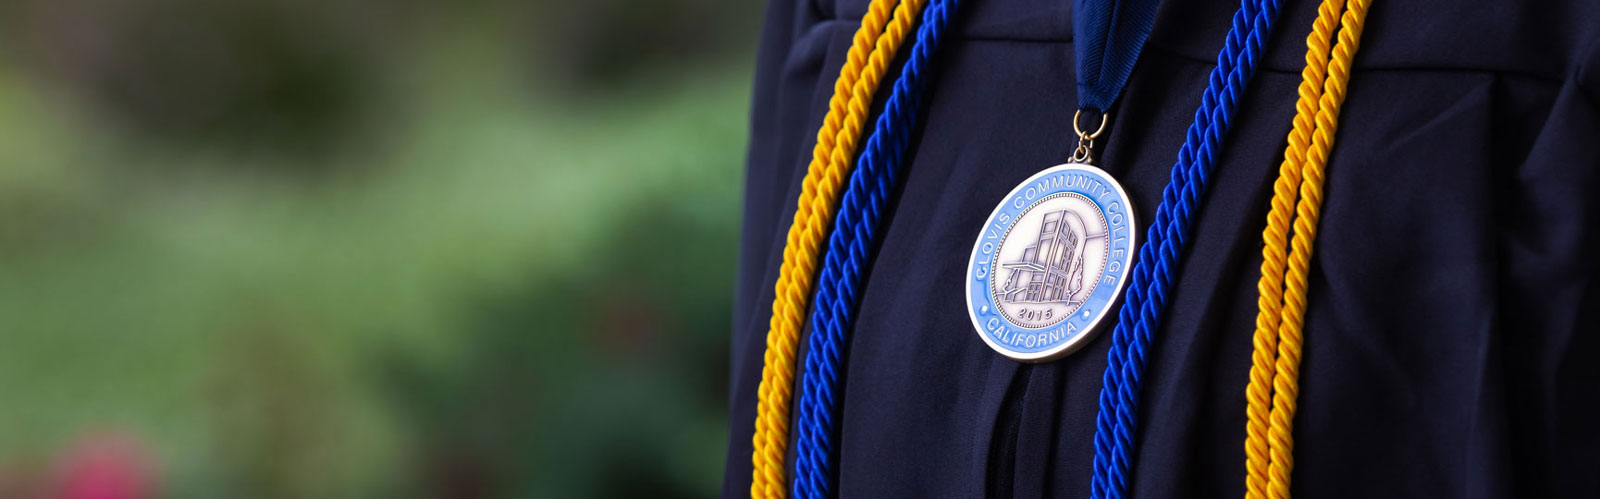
1160, 254
850, 243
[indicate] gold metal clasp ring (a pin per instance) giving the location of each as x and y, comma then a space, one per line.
1105, 117
1085, 151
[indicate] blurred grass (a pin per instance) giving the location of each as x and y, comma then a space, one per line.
503, 292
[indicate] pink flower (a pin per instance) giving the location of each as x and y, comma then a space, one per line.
105, 466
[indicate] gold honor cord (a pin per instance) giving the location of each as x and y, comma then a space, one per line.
872, 49
1275, 369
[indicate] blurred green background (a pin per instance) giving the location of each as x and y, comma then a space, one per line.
368, 248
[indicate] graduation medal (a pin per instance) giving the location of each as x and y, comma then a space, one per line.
1051, 259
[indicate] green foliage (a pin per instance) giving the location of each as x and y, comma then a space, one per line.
501, 295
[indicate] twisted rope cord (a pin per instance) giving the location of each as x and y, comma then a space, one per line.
849, 247
1274, 253
1283, 359
1152, 275
836, 145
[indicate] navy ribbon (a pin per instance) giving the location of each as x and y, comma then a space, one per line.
1107, 37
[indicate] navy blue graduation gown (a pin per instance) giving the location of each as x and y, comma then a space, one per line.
1452, 339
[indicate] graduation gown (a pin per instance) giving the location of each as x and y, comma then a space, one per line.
1452, 337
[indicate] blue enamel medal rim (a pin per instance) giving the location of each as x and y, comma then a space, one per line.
1099, 301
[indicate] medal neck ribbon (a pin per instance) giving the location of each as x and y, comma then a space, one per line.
1107, 36
873, 47
1160, 255
1275, 369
